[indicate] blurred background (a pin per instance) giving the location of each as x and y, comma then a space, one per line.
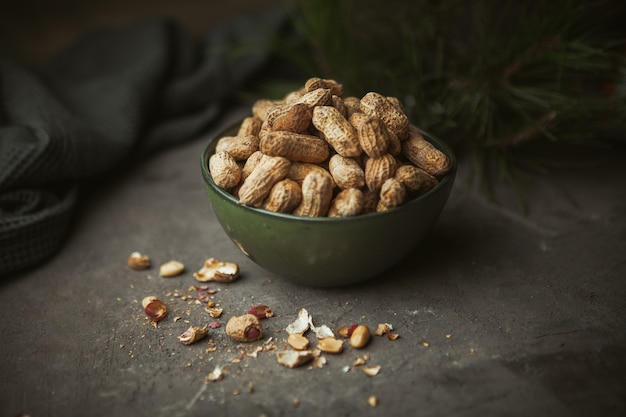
33, 30
513, 86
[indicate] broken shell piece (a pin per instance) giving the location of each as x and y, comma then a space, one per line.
246, 328
216, 375
358, 362
155, 309
219, 271
301, 324
214, 311
372, 401
319, 362
370, 370
193, 334
138, 262
297, 341
346, 331
295, 358
171, 269
386, 329
330, 345
322, 332
383, 328
147, 300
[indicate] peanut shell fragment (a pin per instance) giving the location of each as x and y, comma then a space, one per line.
370, 370
297, 341
138, 261
295, 358
300, 324
218, 271
193, 334
330, 345
171, 269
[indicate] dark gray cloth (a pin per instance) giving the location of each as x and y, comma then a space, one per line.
115, 94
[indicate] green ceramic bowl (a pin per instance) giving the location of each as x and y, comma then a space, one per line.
326, 252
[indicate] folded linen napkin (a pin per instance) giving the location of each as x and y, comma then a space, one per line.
115, 94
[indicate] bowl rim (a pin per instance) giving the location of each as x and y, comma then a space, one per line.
438, 143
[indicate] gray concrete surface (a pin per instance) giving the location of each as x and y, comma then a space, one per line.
498, 313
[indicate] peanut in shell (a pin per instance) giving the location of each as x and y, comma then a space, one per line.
392, 194
299, 170
317, 97
224, 170
416, 180
379, 170
249, 126
295, 146
239, 147
348, 202
373, 137
258, 184
337, 131
346, 172
316, 195
314, 83
375, 104
245, 328
284, 196
425, 155
295, 117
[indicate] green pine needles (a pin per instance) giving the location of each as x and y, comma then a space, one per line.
493, 79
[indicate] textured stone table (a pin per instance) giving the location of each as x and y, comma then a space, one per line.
498, 313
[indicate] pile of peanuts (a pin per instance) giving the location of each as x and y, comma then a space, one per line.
316, 153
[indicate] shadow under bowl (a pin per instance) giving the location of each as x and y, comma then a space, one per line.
327, 252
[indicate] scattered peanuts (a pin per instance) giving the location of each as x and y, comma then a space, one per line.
358, 143
330, 345
154, 308
360, 336
138, 261
193, 334
246, 328
171, 269
218, 271
298, 342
